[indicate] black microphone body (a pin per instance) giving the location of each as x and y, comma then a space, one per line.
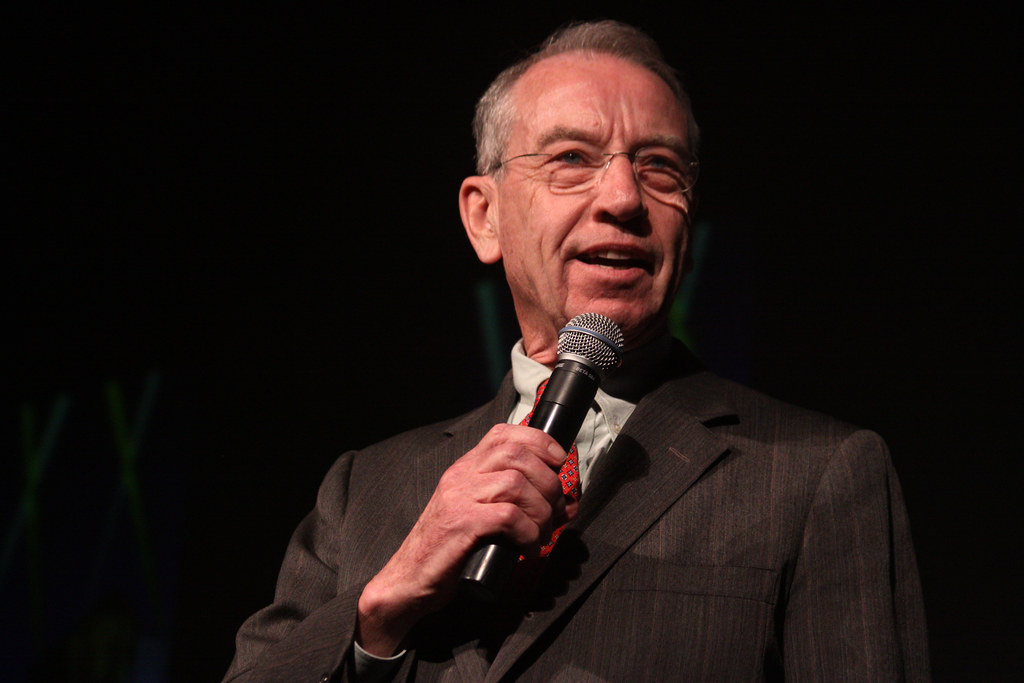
567, 397
559, 413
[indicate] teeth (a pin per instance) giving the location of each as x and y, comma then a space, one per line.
611, 258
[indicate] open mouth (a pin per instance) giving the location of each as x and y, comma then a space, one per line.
614, 259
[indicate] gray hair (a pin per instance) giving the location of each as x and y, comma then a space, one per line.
495, 113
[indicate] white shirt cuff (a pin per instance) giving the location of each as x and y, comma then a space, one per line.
373, 669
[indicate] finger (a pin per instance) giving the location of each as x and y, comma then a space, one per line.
505, 480
506, 438
511, 486
511, 521
535, 454
566, 512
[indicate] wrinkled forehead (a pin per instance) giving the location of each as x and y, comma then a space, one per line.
602, 97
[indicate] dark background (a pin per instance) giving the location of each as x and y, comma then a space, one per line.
256, 210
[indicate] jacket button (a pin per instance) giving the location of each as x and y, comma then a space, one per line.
326, 678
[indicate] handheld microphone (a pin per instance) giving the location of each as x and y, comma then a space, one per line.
589, 347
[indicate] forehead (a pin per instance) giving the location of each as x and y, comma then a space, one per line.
600, 96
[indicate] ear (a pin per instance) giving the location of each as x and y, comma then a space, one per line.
478, 206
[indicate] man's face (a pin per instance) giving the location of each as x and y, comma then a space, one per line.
612, 249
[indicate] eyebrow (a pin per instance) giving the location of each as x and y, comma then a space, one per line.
563, 133
568, 133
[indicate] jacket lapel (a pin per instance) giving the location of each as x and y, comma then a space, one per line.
459, 437
663, 449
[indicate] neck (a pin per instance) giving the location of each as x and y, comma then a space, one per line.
542, 350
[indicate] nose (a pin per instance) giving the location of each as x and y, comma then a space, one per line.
618, 191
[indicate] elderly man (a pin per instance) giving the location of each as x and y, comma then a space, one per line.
713, 533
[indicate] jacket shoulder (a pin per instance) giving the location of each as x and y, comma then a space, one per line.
760, 421
426, 437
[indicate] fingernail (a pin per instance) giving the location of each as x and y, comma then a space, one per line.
556, 451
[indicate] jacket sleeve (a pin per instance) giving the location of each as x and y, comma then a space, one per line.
307, 632
855, 610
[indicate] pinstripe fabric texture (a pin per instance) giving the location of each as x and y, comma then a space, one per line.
725, 536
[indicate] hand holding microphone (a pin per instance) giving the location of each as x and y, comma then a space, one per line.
507, 481
589, 347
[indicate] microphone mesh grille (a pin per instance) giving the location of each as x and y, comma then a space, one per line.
597, 338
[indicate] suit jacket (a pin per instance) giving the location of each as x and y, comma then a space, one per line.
724, 536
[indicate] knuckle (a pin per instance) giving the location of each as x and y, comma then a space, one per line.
507, 515
500, 432
514, 457
512, 480
553, 489
534, 532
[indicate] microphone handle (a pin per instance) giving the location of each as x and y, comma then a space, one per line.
560, 414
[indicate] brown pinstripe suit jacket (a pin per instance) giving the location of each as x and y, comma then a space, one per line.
725, 536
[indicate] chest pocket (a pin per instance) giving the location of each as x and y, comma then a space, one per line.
682, 622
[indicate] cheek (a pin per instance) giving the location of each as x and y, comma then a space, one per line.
522, 262
538, 229
675, 240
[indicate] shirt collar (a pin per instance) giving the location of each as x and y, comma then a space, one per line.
527, 374
641, 371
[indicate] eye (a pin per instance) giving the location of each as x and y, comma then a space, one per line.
572, 157
571, 168
659, 160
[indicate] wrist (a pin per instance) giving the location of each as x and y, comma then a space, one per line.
382, 620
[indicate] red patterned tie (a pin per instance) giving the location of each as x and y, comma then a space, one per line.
569, 474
